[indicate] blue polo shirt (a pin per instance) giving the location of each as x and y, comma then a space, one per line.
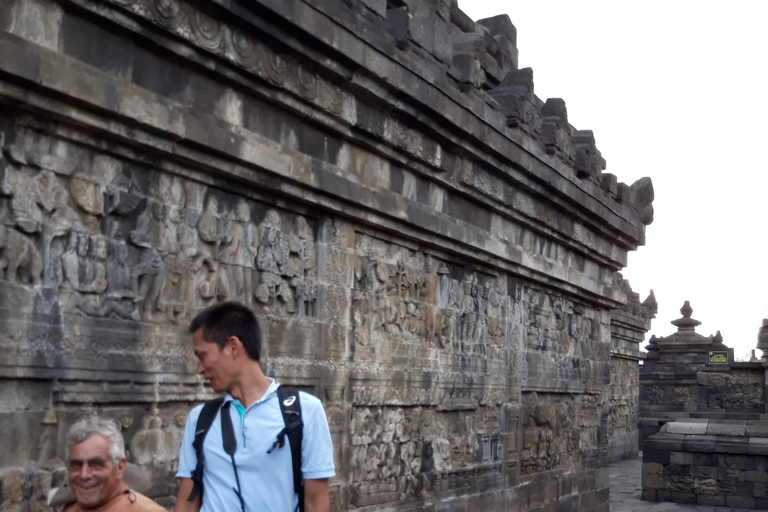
266, 480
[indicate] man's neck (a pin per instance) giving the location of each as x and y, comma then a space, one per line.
251, 386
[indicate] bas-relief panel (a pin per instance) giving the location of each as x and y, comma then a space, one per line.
559, 430
565, 345
622, 414
408, 303
96, 236
735, 390
399, 452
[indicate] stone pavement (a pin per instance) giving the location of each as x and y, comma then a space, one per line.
626, 487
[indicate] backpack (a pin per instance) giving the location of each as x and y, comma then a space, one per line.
290, 407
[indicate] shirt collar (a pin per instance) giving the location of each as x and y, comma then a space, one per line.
272, 389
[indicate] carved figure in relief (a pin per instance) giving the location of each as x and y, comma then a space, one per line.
19, 258
83, 263
272, 262
24, 204
148, 277
120, 299
468, 312
240, 253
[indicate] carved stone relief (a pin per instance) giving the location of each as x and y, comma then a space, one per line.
622, 414
398, 452
558, 430
407, 297
735, 390
128, 243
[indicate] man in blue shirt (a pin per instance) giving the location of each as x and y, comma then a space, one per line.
227, 344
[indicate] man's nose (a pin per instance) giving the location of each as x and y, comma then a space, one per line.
200, 368
85, 471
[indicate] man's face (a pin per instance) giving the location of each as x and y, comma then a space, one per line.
213, 363
93, 476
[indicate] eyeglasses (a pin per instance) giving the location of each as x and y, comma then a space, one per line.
94, 464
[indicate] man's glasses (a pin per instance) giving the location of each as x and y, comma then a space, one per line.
94, 464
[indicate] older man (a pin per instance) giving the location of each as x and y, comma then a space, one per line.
96, 466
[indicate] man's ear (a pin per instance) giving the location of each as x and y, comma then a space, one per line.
121, 468
236, 346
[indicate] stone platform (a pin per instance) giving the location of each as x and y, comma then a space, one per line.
625, 480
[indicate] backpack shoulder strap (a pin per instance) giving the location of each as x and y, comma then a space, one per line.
204, 422
290, 407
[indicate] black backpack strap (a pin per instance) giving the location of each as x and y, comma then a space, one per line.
230, 446
204, 422
290, 407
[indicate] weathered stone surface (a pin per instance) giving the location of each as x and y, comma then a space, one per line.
430, 248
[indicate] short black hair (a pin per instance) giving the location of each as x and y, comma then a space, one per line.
221, 321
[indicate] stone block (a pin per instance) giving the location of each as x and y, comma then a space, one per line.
726, 444
681, 458
761, 504
398, 24
757, 429
739, 502
377, 6
677, 469
705, 471
705, 459
756, 476
19, 58
655, 482
648, 494
653, 468
699, 443
705, 486
746, 489
96, 45
36, 21
708, 500
687, 498
757, 446
726, 429
567, 504
679, 427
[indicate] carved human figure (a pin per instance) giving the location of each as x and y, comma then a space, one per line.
19, 258
272, 261
120, 299
215, 287
148, 277
240, 253
83, 263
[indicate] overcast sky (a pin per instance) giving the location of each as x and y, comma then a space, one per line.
674, 90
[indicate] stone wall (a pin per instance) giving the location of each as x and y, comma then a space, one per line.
712, 463
628, 327
430, 248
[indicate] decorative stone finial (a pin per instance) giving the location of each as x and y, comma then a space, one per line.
717, 341
686, 323
762, 337
651, 304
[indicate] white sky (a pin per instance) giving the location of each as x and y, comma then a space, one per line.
674, 90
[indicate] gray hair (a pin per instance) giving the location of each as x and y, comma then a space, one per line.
94, 425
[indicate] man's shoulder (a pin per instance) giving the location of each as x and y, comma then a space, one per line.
145, 504
309, 402
194, 413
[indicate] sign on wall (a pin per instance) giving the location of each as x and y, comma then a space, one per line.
718, 357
